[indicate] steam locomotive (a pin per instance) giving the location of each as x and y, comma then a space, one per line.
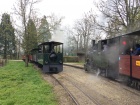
48, 56
114, 58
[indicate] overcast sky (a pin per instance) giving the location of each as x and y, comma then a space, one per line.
70, 9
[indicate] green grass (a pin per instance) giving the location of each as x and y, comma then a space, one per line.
20, 85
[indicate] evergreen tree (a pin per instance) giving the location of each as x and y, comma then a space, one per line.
30, 40
7, 37
44, 31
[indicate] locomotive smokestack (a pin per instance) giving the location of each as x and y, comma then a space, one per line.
93, 43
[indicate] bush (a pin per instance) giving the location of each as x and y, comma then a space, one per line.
70, 59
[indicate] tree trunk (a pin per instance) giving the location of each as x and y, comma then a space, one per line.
19, 50
5, 49
26, 60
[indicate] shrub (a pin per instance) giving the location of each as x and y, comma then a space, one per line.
70, 59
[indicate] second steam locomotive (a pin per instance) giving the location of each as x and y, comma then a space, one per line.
117, 58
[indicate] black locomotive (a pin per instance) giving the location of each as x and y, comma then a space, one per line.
116, 58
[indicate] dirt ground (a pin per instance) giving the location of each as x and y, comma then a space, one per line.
89, 89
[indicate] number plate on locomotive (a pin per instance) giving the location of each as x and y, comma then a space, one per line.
137, 63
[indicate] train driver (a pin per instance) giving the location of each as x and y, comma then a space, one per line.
137, 51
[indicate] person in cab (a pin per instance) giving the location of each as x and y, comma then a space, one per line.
137, 51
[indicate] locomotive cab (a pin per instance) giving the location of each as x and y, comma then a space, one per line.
129, 61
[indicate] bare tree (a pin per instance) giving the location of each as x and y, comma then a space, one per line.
120, 15
25, 9
84, 31
49, 24
73, 40
54, 22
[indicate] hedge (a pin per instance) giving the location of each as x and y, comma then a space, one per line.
70, 59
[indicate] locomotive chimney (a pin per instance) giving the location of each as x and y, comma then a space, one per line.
93, 43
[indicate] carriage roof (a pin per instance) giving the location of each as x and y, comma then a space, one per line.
35, 49
123, 35
137, 32
51, 42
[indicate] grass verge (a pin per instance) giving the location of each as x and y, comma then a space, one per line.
20, 85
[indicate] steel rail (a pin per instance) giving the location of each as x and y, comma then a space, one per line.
93, 100
72, 97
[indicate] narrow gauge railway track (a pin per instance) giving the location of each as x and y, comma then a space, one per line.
108, 83
97, 98
54, 81
103, 99
107, 92
72, 97
88, 100
128, 88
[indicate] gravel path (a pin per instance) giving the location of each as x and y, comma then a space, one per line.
105, 92
89, 89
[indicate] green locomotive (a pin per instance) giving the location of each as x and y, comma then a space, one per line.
50, 56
